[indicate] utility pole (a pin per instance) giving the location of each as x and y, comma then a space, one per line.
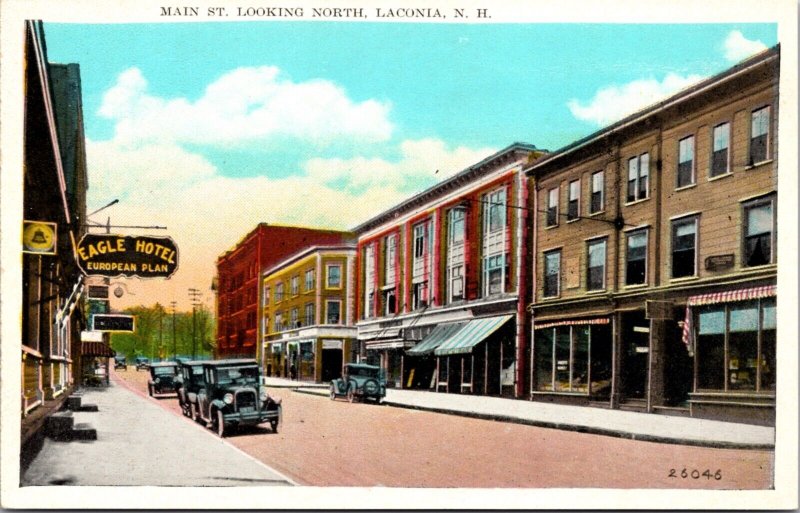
174, 304
194, 296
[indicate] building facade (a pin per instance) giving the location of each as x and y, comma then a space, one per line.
54, 200
441, 281
307, 312
238, 278
655, 256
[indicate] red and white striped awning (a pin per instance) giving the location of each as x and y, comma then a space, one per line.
572, 322
730, 296
97, 349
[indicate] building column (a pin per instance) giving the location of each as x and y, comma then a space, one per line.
616, 358
655, 372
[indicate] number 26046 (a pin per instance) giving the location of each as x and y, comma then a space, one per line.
695, 474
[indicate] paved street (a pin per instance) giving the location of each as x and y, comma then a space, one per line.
141, 443
335, 443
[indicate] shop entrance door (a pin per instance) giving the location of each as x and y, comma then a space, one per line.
635, 355
331, 364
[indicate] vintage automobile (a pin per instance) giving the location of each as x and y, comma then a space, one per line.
360, 380
162, 378
120, 363
190, 380
232, 395
142, 363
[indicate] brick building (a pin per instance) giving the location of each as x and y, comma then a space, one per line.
238, 278
655, 255
441, 281
307, 315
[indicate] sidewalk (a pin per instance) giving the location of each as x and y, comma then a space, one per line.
141, 443
625, 424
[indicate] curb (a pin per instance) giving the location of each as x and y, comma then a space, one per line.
592, 430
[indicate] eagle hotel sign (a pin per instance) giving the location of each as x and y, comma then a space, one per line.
117, 255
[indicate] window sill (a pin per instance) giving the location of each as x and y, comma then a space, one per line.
685, 187
550, 227
636, 202
684, 278
549, 298
759, 164
637, 286
719, 176
599, 212
758, 267
573, 220
595, 292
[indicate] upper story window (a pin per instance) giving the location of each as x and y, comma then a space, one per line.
720, 161
391, 259
573, 206
598, 187
552, 273
759, 135
684, 247
295, 284
496, 210
333, 309
309, 280
421, 265
420, 239
759, 232
279, 291
552, 207
455, 254
294, 321
265, 298
278, 321
596, 265
636, 258
686, 161
638, 177
369, 281
456, 223
333, 276
309, 315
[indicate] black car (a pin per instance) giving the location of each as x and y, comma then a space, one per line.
120, 363
232, 395
142, 363
190, 380
162, 378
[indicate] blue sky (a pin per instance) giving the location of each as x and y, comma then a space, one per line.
210, 128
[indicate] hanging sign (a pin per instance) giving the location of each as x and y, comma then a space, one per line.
39, 237
117, 255
112, 322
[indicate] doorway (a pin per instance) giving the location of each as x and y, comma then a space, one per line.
331, 364
635, 342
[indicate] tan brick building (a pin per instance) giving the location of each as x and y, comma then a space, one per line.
655, 255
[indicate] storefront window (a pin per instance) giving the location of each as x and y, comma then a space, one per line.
736, 345
564, 366
306, 360
544, 359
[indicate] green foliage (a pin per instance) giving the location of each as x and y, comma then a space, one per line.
155, 327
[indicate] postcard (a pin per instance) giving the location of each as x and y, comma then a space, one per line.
374, 255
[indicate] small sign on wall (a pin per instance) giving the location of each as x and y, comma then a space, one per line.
39, 237
719, 262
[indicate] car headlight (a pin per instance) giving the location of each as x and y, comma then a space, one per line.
228, 399
157, 381
263, 394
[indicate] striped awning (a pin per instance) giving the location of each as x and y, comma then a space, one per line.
572, 322
730, 296
471, 335
97, 349
437, 337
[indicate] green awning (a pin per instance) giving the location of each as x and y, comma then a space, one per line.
471, 335
440, 334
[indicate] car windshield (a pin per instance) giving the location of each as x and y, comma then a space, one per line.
364, 372
164, 371
238, 376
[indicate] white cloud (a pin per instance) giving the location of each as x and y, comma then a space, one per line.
207, 213
615, 102
421, 163
738, 47
246, 105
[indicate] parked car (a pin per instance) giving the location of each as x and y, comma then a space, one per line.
360, 380
232, 395
142, 363
120, 363
190, 380
162, 378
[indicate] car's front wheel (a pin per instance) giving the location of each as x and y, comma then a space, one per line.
274, 425
218, 424
333, 392
351, 393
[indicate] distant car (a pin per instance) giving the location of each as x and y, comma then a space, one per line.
162, 378
360, 381
232, 395
190, 381
142, 363
120, 363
